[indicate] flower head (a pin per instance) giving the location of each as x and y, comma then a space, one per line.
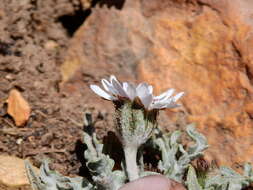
143, 93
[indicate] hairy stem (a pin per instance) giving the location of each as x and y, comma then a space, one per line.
131, 164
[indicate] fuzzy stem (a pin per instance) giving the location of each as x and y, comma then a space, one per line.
131, 164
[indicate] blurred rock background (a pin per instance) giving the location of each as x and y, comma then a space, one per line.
201, 47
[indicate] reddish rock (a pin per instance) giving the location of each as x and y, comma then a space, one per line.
18, 108
202, 47
206, 52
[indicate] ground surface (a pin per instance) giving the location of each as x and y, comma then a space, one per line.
34, 36
51, 51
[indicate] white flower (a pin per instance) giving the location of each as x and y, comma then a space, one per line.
114, 90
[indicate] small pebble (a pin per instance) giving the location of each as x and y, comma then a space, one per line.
19, 141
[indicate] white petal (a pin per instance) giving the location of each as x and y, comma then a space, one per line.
125, 85
150, 88
157, 106
147, 100
165, 95
169, 100
117, 86
179, 95
112, 77
161, 95
162, 105
108, 86
101, 92
144, 94
142, 90
130, 90
170, 92
105, 84
172, 105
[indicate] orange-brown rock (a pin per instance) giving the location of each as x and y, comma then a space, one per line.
18, 108
202, 47
206, 52
12, 174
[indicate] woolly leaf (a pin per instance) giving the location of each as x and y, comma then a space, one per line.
192, 181
175, 159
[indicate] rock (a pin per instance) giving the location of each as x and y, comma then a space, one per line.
51, 45
202, 47
116, 53
18, 108
153, 182
205, 51
12, 173
86, 3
